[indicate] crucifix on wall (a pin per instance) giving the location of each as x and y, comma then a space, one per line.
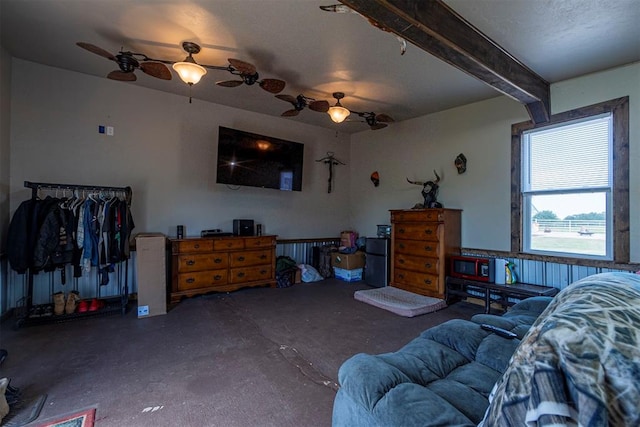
331, 161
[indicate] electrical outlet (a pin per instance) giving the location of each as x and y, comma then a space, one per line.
143, 310
110, 130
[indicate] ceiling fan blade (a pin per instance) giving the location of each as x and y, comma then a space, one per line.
156, 69
287, 98
377, 126
97, 50
272, 85
319, 106
242, 66
384, 118
290, 113
122, 76
230, 83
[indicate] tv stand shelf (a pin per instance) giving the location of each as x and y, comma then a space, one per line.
457, 287
201, 265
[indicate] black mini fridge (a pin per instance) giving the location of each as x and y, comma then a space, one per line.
376, 267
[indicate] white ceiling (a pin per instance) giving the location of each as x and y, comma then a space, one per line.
317, 52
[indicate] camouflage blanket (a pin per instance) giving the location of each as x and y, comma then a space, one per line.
579, 364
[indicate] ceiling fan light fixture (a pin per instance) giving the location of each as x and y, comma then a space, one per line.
189, 72
338, 113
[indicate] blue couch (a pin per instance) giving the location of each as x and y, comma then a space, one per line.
443, 377
577, 364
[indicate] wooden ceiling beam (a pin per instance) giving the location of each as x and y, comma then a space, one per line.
437, 29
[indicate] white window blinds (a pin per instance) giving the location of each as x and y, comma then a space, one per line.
569, 157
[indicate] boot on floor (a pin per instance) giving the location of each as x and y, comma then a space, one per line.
58, 303
72, 301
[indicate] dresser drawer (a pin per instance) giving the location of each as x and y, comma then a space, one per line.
199, 262
259, 242
429, 232
417, 263
201, 279
248, 258
250, 274
224, 244
415, 280
417, 247
426, 215
196, 245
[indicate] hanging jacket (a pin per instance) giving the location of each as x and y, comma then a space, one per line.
54, 245
19, 233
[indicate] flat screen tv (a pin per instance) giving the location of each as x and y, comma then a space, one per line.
254, 160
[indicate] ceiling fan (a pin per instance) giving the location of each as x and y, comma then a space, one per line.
375, 121
339, 113
129, 61
300, 102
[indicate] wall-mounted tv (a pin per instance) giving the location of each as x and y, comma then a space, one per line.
254, 160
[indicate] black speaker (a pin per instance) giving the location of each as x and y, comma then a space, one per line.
243, 227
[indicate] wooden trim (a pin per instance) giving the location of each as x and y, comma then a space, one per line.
582, 262
437, 29
619, 107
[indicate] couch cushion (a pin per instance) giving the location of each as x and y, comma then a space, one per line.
442, 377
519, 318
448, 371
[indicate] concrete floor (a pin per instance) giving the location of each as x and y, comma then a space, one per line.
254, 357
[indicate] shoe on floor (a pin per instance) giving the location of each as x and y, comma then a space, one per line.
72, 301
83, 306
58, 303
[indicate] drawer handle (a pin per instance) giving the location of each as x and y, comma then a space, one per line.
190, 262
217, 277
401, 276
427, 281
428, 248
263, 256
197, 246
263, 271
428, 231
240, 258
427, 265
401, 245
401, 230
191, 280
241, 274
401, 261
217, 260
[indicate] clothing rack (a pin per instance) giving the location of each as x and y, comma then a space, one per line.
112, 304
36, 186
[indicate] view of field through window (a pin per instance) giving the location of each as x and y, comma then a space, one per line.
574, 223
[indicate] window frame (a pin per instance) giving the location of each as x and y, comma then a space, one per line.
619, 110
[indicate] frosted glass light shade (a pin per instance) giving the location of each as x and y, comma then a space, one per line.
338, 113
189, 72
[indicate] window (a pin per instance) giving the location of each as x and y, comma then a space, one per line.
570, 184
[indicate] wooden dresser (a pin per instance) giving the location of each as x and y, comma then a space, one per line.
220, 264
421, 242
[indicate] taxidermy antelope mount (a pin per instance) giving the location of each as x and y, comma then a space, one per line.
429, 192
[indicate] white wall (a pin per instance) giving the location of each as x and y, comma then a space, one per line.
5, 126
165, 149
412, 149
5, 122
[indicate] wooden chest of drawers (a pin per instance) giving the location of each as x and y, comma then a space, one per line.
421, 242
220, 264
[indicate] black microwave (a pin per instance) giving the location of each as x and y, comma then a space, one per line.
473, 268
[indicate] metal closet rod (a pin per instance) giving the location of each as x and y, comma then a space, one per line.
37, 185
